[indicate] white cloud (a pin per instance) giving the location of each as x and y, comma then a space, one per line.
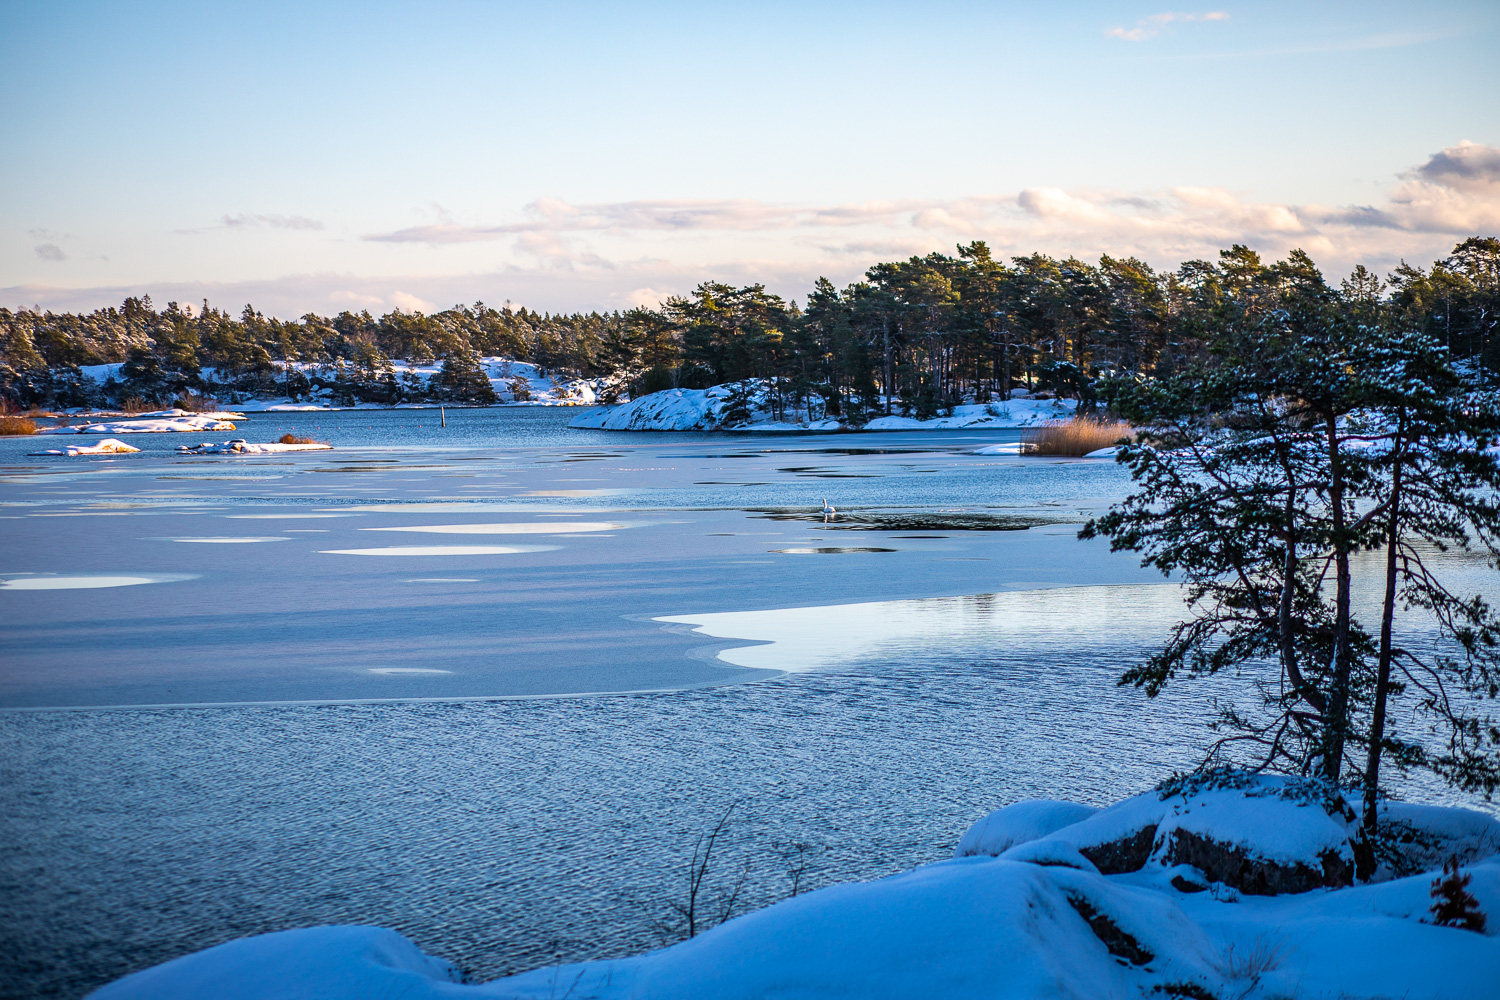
567, 257
407, 302
258, 219
648, 297
356, 300
246, 221
668, 215
50, 251
1456, 191
1150, 27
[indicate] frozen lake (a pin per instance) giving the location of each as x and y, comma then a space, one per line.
251, 693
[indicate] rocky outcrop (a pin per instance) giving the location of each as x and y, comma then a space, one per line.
1126, 854
1120, 944
1239, 868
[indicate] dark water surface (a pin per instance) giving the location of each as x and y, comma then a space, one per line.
497, 828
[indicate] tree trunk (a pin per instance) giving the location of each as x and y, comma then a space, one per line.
1336, 721
1383, 664
886, 343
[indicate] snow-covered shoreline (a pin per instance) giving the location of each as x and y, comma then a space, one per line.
515, 383
1227, 885
712, 410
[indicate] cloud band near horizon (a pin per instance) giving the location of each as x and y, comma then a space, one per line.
568, 256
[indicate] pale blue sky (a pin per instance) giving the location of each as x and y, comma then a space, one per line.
589, 155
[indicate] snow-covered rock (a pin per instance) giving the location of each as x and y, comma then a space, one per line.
1257, 834
242, 447
108, 446
668, 410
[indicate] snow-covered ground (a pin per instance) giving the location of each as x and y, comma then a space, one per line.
1043, 900
706, 409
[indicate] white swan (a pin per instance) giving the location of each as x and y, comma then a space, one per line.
827, 510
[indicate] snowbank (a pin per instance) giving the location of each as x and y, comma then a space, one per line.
708, 409
315, 962
109, 446
241, 447
1040, 921
159, 425
1019, 823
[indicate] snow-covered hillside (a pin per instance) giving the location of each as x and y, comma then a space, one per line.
1233, 887
711, 409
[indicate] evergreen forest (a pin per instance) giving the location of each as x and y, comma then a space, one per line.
916, 336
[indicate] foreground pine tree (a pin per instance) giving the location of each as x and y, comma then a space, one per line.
1317, 427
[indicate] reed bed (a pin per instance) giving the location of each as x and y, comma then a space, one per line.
11, 424
294, 439
1074, 437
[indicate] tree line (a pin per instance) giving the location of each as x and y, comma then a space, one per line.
917, 336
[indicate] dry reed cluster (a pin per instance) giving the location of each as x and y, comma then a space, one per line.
1074, 437
294, 439
10, 424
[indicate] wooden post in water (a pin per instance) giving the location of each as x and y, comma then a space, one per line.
444, 414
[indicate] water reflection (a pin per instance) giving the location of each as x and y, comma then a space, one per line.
1047, 624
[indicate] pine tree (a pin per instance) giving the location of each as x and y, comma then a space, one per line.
739, 405
462, 379
1452, 903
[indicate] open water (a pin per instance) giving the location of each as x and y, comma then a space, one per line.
419, 680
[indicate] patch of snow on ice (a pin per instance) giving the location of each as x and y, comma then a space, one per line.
85, 581
407, 670
229, 539
518, 528
442, 550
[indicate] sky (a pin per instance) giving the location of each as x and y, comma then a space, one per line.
315, 157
